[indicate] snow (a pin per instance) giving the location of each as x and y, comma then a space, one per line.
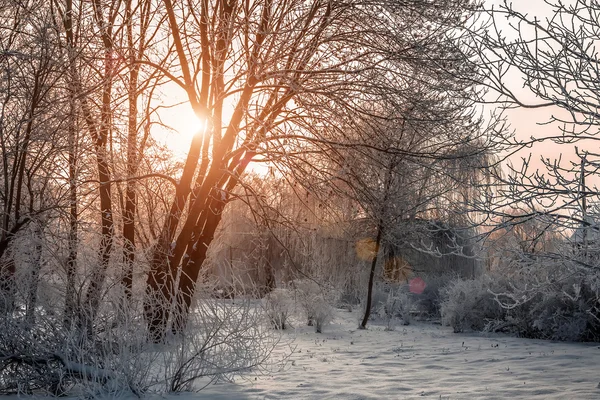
421, 360
418, 361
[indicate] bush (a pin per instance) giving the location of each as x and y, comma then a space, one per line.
221, 339
554, 301
566, 309
316, 301
470, 304
397, 306
379, 297
348, 300
278, 306
322, 315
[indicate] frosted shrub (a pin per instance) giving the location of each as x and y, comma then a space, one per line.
51, 357
469, 304
577, 316
315, 300
545, 301
221, 339
557, 317
379, 297
349, 298
551, 298
396, 307
28, 363
322, 316
558, 309
278, 306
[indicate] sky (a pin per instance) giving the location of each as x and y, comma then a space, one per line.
529, 123
525, 122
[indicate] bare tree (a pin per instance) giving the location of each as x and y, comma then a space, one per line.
542, 210
123, 33
284, 71
546, 63
30, 126
442, 159
139, 35
275, 82
73, 158
99, 125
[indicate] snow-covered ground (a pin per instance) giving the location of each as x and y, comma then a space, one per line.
421, 360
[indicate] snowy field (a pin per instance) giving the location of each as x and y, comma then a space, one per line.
421, 360
418, 361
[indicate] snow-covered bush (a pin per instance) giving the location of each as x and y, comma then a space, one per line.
316, 302
558, 317
546, 300
349, 299
322, 315
222, 338
379, 297
52, 357
561, 308
397, 306
278, 305
470, 304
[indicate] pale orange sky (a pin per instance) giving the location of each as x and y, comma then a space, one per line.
531, 122
526, 122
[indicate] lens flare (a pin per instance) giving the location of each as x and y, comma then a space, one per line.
396, 269
417, 285
366, 249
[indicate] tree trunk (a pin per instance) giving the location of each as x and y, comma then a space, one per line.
130, 191
93, 294
94, 290
34, 273
159, 296
197, 235
134, 150
191, 245
363, 324
129, 239
7, 286
163, 267
192, 265
70, 302
267, 259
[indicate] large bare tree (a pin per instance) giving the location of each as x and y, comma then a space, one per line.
263, 74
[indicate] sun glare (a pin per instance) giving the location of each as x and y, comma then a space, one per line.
184, 124
180, 124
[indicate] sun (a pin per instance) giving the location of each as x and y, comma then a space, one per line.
178, 126
190, 124
182, 125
